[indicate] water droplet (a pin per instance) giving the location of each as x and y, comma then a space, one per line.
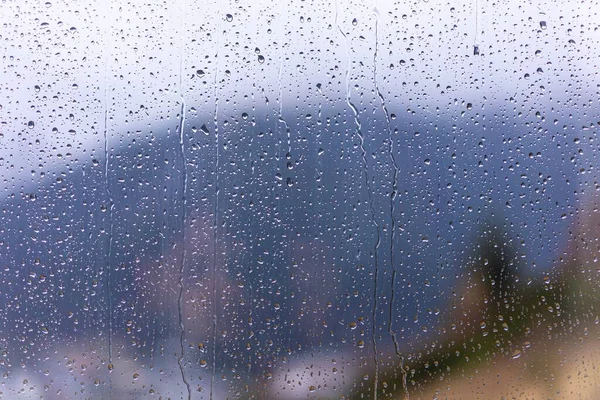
229, 17
204, 129
261, 59
543, 24
36, 88
200, 73
516, 354
30, 124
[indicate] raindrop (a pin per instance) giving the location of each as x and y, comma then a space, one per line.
30, 124
229, 17
261, 59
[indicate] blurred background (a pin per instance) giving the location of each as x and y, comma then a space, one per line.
307, 199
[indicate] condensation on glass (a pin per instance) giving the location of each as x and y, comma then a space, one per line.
280, 200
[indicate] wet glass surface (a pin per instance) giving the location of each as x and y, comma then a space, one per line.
306, 200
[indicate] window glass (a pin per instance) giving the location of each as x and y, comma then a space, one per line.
258, 199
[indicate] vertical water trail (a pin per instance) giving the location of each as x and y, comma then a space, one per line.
279, 75
361, 137
183, 255
476, 40
393, 194
216, 215
109, 209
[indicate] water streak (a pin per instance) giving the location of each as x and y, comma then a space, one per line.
184, 182
394, 192
109, 209
279, 75
216, 217
361, 137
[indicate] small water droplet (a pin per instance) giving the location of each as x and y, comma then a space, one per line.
543, 24
229, 17
31, 124
261, 59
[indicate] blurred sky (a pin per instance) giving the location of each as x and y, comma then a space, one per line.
128, 57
